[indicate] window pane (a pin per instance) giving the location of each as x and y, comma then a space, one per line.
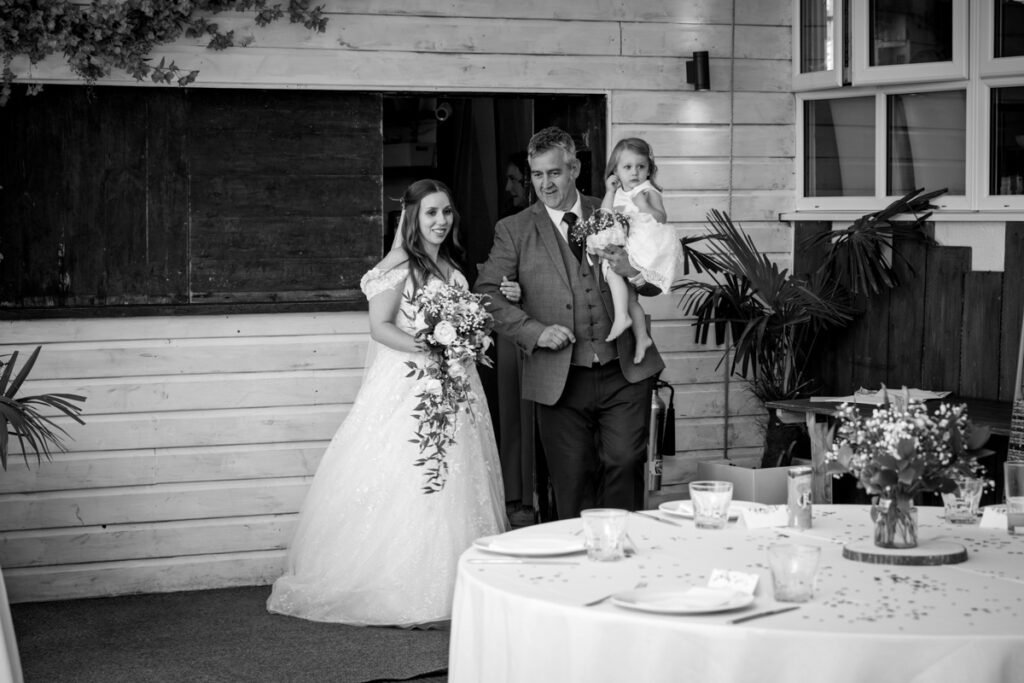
817, 36
927, 141
839, 144
1008, 28
1007, 173
915, 32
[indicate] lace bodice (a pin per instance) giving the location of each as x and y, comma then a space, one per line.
376, 281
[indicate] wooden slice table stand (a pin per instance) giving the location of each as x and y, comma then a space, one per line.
926, 553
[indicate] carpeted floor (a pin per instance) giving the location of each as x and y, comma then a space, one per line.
212, 636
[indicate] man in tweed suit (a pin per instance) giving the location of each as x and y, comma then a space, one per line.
592, 400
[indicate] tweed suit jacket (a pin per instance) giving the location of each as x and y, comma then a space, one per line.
526, 249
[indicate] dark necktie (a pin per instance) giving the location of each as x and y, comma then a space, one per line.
575, 247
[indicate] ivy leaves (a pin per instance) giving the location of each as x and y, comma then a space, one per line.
105, 35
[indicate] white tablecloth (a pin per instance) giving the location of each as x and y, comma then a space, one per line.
868, 623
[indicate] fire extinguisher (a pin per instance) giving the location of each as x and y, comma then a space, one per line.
661, 434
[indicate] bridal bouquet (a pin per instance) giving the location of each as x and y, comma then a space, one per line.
602, 228
454, 327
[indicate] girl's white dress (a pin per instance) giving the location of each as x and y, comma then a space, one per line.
653, 247
370, 547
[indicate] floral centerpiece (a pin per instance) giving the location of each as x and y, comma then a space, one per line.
602, 228
454, 328
901, 450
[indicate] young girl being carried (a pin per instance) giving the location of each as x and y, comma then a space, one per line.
653, 248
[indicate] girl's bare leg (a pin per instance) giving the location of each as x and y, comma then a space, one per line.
620, 301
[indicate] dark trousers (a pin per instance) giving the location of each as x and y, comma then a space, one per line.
595, 440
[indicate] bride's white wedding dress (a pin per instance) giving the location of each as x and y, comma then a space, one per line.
371, 547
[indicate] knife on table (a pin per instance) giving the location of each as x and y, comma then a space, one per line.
758, 615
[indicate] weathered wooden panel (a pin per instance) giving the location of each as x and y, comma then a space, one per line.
764, 108
649, 39
763, 12
906, 317
662, 11
184, 357
81, 177
688, 141
764, 42
97, 579
766, 141
870, 342
110, 543
158, 503
692, 368
683, 107
758, 75
123, 395
693, 207
372, 71
979, 355
943, 311
1012, 315
760, 205
697, 174
763, 174
84, 470
185, 428
24, 334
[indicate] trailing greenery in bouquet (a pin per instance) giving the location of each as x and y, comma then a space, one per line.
454, 328
901, 450
604, 227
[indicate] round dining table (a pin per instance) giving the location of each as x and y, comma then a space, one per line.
526, 617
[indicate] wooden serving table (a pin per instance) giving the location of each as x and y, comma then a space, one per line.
820, 419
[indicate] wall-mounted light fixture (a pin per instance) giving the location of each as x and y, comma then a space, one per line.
697, 72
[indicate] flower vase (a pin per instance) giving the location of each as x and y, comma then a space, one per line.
895, 522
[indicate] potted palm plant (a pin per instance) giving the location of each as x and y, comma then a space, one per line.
30, 418
771, 320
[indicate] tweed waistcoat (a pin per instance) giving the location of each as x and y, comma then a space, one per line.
590, 320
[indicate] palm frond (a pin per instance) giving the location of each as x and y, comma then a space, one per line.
857, 256
31, 418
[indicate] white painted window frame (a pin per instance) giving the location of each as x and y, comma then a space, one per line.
863, 74
982, 35
880, 198
819, 79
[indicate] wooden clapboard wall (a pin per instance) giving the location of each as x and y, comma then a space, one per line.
945, 327
202, 432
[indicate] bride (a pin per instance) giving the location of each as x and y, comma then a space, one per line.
371, 548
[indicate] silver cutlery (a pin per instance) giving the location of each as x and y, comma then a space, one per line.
768, 613
657, 519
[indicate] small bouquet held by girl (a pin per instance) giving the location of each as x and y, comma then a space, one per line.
454, 328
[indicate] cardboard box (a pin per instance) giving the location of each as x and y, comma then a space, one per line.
768, 486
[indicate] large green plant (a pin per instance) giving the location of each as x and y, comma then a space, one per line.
775, 318
769, 318
28, 418
104, 35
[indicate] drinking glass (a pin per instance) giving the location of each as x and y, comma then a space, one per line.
1014, 489
962, 505
794, 567
604, 533
710, 500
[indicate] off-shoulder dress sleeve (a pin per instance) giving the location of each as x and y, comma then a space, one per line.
376, 280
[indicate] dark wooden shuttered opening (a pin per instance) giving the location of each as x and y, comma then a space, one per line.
135, 200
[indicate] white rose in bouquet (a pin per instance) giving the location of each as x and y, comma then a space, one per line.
432, 386
611, 235
445, 333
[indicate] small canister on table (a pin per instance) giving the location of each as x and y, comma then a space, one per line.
799, 497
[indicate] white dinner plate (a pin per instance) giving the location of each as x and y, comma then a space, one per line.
683, 508
530, 546
695, 600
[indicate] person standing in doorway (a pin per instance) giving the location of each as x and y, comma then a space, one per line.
592, 398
